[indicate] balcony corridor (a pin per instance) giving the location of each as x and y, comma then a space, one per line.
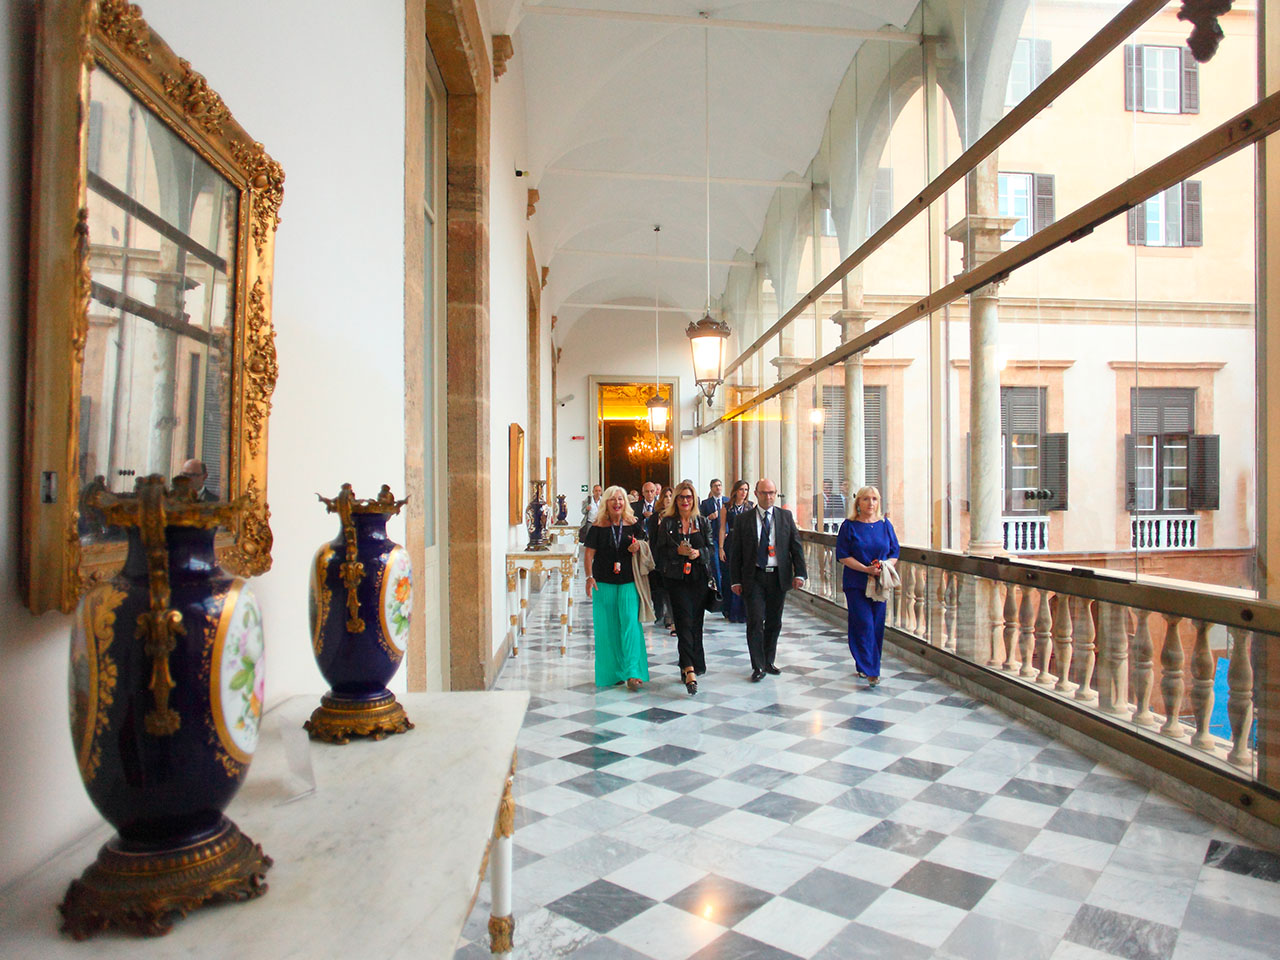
809, 816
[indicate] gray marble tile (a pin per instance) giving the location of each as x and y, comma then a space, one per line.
780, 806
760, 776
958, 888
1088, 825
1050, 876
1169, 816
732, 945
900, 838
1035, 791
1122, 935
690, 811
869, 802
681, 781
957, 798
1248, 861
833, 892
1233, 925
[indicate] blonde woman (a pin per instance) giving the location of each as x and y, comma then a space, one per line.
865, 542
609, 555
682, 546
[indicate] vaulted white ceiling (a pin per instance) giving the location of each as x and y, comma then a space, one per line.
617, 132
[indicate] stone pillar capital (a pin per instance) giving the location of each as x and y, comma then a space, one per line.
789, 365
980, 236
851, 322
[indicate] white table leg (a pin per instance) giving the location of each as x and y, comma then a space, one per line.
524, 597
513, 606
502, 921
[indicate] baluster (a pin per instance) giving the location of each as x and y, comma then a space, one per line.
1010, 628
1113, 668
1044, 627
922, 593
904, 602
1062, 642
1027, 634
1240, 698
995, 612
951, 606
937, 604
1086, 651
1143, 675
1203, 667
1171, 686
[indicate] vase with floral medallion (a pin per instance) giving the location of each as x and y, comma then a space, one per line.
360, 598
166, 686
562, 509
537, 514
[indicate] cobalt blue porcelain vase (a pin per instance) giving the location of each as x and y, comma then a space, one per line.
166, 686
360, 598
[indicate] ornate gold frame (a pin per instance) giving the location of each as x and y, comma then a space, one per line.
515, 478
76, 37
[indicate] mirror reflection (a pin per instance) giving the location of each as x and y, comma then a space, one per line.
155, 395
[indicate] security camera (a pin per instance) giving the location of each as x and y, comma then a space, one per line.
565, 399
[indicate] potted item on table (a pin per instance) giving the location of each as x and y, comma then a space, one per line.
536, 515
166, 683
360, 598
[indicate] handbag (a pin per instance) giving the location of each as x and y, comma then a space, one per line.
714, 601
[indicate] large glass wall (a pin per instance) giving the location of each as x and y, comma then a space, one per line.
1093, 407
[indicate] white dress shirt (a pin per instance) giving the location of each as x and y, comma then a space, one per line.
772, 562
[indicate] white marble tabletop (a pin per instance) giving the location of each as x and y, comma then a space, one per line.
381, 859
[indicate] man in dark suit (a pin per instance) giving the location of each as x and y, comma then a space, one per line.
765, 561
646, 511
198, 475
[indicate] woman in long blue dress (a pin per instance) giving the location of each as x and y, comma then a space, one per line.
865, 542
735, 609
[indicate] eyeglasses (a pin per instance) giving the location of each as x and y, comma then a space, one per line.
684, 496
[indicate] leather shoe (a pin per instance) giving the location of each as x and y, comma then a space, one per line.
771, 669
757, 676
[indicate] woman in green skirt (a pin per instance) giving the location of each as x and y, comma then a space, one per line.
611, 545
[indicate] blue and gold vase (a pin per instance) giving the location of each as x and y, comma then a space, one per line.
562, 509
360, 598
536, 516
166, 684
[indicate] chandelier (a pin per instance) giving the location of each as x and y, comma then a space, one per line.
648, 448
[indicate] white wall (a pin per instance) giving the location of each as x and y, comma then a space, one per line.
509, 321
286, 71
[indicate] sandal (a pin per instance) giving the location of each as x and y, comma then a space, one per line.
690, 682
633, 684
861, 675
873, 681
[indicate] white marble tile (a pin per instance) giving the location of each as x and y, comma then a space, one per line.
651, 833
791, 926
1185, 847
811, 788
1249, 893
656, 876
1017, 811
1042, 912
552, 800
748, 828
1196, 946
804, 843
1068, 848
765, 868
930, 816
642, 796
599, 854
552, 834
838, 822
793, 762
862, 757
1121, 808
555, 936
917, 918
1076, 951
666, 933
974, 778
894, 785
866, 862
936, 754
1159, 899
980, 858
1058, 776
636, 768
545, 880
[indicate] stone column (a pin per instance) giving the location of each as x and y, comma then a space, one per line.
788, 494
852, 323
980, 233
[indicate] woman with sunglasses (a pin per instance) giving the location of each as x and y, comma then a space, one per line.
681, 545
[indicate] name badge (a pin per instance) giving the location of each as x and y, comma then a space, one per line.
771, 550
617, 567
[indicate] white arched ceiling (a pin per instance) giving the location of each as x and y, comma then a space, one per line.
615, 118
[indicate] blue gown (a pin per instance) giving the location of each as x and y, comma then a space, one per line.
735, 607
865, 542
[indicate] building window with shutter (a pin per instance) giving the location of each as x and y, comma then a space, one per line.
1031, 64
1022, 421
1030, 198
1160, 79
1169, 468
833, 419
1172, 218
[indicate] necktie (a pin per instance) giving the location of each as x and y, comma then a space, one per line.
762, 550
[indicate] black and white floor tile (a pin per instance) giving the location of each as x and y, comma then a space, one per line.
811, 816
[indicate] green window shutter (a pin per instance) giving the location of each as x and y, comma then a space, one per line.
1130, 475
1202, 472
1053, 470
1192, 214
1190, 99
1132, 77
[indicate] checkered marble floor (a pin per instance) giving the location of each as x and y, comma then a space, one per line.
810, 816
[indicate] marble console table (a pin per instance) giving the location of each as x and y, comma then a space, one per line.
521, 565
562, 531
381, 858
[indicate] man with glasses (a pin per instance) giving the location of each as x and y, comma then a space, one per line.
765, 561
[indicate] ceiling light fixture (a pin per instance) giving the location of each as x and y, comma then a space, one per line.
659, 409
708, 338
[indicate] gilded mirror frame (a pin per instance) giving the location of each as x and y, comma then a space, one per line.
75, 38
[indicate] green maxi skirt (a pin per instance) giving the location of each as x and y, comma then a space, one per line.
620, 651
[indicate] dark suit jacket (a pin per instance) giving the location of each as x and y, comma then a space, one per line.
742, 550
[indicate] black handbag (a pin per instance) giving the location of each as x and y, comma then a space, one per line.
714, 601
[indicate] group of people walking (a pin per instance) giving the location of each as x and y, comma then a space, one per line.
681, 554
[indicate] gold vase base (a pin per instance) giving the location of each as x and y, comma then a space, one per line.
337, 720
145, 893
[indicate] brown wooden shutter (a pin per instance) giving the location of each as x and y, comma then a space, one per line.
1042, 211
1053, 470
1190, 83
1202, 472
1192, 214
1132, 77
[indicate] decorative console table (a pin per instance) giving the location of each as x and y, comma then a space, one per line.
521, 565
379, 856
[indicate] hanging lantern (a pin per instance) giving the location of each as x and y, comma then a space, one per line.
659, 413
708, 340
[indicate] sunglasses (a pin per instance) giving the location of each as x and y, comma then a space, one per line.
684, 497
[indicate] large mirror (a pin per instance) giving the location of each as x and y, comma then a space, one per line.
151, 348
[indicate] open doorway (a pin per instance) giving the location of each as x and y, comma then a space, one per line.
628, 454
